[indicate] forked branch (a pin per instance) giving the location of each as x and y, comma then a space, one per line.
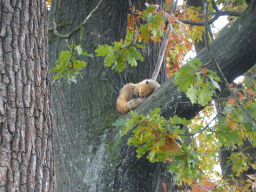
164, 44
68, 36
216, 16
214, 61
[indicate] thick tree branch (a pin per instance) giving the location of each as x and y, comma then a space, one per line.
215, 6
235, 48
68, 36
214, 62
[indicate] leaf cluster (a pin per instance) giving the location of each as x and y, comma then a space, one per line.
162, 139
230, 131
67, 66
159, 139
127, 51
120, 53
142, 26
234, 5
194, 32
154, 27
198, 83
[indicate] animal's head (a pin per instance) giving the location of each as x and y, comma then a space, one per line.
146, 87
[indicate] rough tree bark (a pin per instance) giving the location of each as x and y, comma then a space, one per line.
26, 132
90, 154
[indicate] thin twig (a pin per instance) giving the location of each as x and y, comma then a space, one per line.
68, 36
68, 44
216, 16
213, 59
163, 46
162, 52
206, 127
249, 81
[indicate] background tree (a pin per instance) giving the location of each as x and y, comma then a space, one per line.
129, 176
246, 148
89, 150
26, 132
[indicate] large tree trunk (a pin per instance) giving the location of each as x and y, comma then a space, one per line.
26, 132
90, 154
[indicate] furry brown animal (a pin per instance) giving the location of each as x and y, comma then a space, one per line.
132, 95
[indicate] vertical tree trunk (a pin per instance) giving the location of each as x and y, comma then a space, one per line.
26, 134
90, 154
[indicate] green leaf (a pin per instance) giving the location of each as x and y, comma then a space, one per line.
56, 76
109, 59
145, 33
87, 54
141, 46
79, 64
183, 78
190, 80
73, 46
150, 9
55, 69
192, 93
133, 62
227, 136
178, 120
151, 18
155, 111
67, 66
119, 67
204, 96
64, 57
102, 50
129, 37
134, 55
